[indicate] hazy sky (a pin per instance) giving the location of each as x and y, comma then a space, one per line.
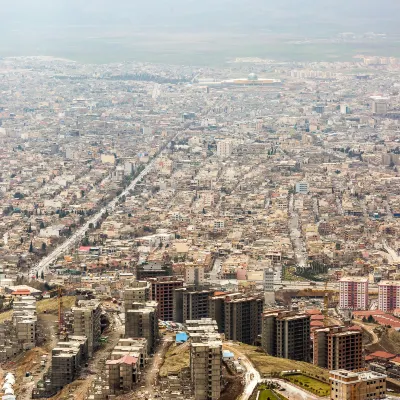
300, 15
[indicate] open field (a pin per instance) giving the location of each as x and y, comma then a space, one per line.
312, 385
266, 364
176, 358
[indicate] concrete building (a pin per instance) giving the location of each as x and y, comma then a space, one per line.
286, 334
137, 292
87, 322
347, 385
205, 359
194, 275
205, 366
162, 291
388, 295
353, 293
191, 304
380, 105
143, 322
302, 187
338, 348
66, 362
238, 316
224, 148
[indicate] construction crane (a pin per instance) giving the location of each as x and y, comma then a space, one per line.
326, 300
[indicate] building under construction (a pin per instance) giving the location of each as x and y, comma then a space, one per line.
191, 304
125, 364
238, 316
142, 321
137, 292
86, 322
206, 360
338, 347
286, 334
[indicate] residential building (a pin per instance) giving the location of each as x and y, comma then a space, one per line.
238, 316
205, 359
353, 293
302, 187
137, 292
224, 148
380, 105
194, 275
191, 304
286, 334
388, 295
347, 385
162, 291
142, 321
87, 323
338, 348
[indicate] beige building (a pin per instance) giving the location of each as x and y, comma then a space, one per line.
346, 385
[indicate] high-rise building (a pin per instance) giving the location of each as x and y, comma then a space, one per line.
87, 323
347, 385
338, 348
238, 316
353, 293
205, 359
162, 291
286, 334
194, 275
137, 292
224, 148
142, 321
191, 304
388, 295
380, 105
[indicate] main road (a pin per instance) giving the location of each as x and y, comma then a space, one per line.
79, 234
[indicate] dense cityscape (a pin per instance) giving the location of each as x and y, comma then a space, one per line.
200, 233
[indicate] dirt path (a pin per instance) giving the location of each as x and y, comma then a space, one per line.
149, 387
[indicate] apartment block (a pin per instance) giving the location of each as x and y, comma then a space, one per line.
143, 322
338, 348
353, 293
137, 292
205, 359
347, 385
86, 322
190, 304
66, 362
238, 316
162, 291
388, 295
286, 334
25, 321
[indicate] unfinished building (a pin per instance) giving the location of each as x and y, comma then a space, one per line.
338, 347
286, 334
124, 365
162, 291
142, 321
137, 292
86, 322
66, 361
191, 304
206, 360
238, 316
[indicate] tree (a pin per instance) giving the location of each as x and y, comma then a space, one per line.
31, 248
21, 240
42, 275
42, 225
37, 274
44, 246
91, 226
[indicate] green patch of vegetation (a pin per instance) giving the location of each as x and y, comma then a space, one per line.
310, 384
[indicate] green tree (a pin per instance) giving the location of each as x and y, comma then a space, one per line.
31, 248
42, 225
44, 246
42, 275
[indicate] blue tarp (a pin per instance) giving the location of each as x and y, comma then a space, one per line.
227, 354
181, 337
